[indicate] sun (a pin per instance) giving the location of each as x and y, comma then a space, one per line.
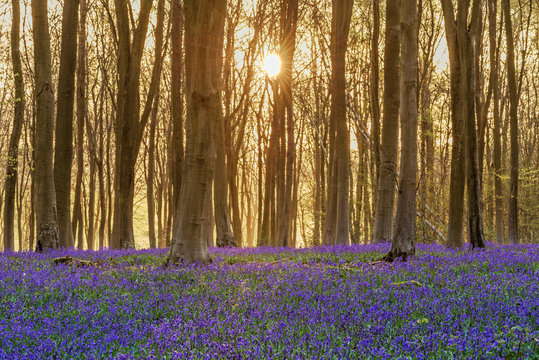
272, 64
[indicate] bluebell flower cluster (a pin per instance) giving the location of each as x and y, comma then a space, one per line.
273, 303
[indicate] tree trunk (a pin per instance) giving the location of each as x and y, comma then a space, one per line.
403, 243
289, 20
388, 154
129, 124
18, 120
77, 222
466, 54
512, 228
204, 28
375, 93
342, 14
458, 165
46, 221
176, 73
63, 152
494, 69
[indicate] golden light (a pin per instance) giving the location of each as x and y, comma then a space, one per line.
272, 65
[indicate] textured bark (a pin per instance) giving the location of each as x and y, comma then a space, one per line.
494, 69
458, 164
204, 26
403, 242
512, 224
46, 222
388, 154
18, 119
63, 151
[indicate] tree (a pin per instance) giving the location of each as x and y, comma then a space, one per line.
204, 27
388, 154
129, 125
512, 228
176, 147
63, 151
18, 120
494, 69
338, 218
46, 223
403, 242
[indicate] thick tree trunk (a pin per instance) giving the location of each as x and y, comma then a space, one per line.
63, 152
18, 120
46, 221
512, 228
203, 59
403, 243
388, 155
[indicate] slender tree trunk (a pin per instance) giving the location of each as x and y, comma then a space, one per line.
78, 221
342, 14
388, 154
289, 10
375, 93
403, 243
466, 54
225, 237
203, 59
512, 228
494, 68
18, 120
46, 221
177, 66
458, 164
63, 152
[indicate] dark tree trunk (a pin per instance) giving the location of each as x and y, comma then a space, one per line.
388, 154
63, 152
46, 221
18, 120
512, 228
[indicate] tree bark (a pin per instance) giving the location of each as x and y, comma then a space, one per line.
63, 151
18, 120
388, 154
403, 243
512, 224
204, 28
46, 221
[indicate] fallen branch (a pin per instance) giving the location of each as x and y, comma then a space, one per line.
69, 260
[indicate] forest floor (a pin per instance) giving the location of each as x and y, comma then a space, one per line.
272, 303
